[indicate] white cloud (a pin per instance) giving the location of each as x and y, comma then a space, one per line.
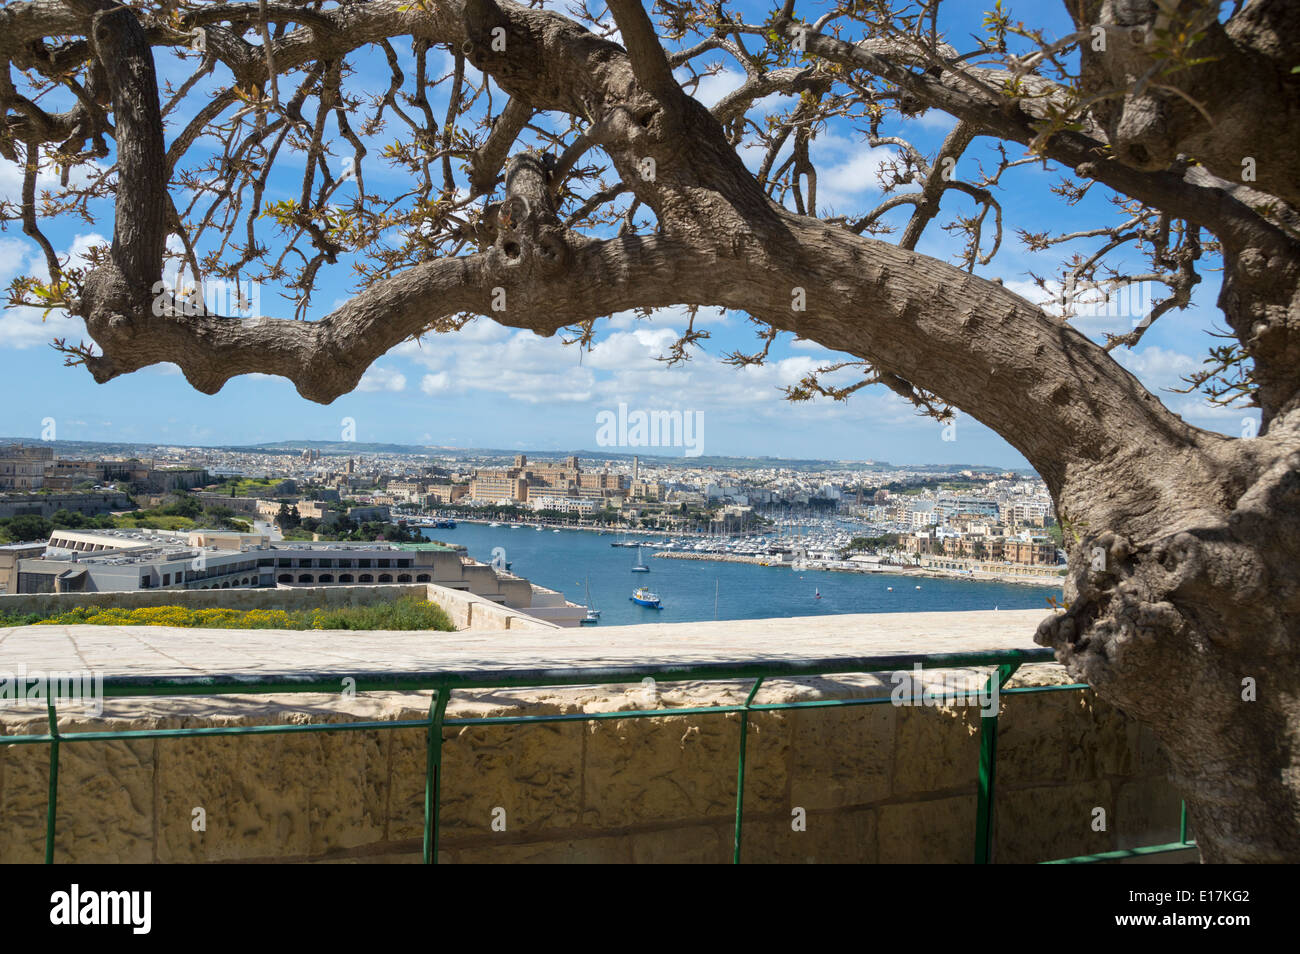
435, 383
1093, 314
935, 119
804, 344
851, 183
11, 179
29, 327
382, 379
1163, 369
485, 360
859, 173
12, 251
674, 317
1156, 366
713, 88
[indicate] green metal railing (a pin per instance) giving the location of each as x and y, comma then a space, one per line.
443, 684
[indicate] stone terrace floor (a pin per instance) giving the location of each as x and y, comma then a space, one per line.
147, 651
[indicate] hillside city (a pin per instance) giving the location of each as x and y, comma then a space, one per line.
864, 516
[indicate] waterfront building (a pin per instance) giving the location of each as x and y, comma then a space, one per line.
440, 494
983, 544
583, 506
133, 560
1028, 512
949, 505
524, 480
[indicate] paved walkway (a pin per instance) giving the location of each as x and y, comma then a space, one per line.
801, 644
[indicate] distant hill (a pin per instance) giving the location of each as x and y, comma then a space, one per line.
353, 448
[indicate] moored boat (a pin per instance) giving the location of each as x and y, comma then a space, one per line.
593, 614
643, 597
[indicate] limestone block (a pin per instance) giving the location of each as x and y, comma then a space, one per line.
1147, 812
532, 772
349, 799
938, 749
842, 756
105, 796
406, 769
939, 831
386, 858
527, 777
698, 844
608, 850
1031, 741
253, 790
681, 769
1068, 736
1046, 822
831, 837
1101, 740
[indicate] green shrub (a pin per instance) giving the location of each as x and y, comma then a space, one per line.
407, 613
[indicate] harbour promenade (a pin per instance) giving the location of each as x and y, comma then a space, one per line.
986, 573
627, 744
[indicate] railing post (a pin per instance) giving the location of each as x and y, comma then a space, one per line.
433, 774
988, 769
52, 800
740, 770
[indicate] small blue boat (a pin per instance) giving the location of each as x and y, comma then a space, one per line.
643, 597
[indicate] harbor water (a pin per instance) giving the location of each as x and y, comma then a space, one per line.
573, 560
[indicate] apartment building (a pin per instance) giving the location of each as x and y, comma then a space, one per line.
584, 506
22, 467
522, 481
439, 494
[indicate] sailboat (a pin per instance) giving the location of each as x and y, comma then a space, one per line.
639, 566
593, 614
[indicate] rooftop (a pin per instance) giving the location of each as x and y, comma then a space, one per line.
144, 546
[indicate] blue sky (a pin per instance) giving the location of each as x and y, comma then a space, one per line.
489, 386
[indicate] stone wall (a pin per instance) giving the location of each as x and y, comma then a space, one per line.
878, 783
46, 505
469, 611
